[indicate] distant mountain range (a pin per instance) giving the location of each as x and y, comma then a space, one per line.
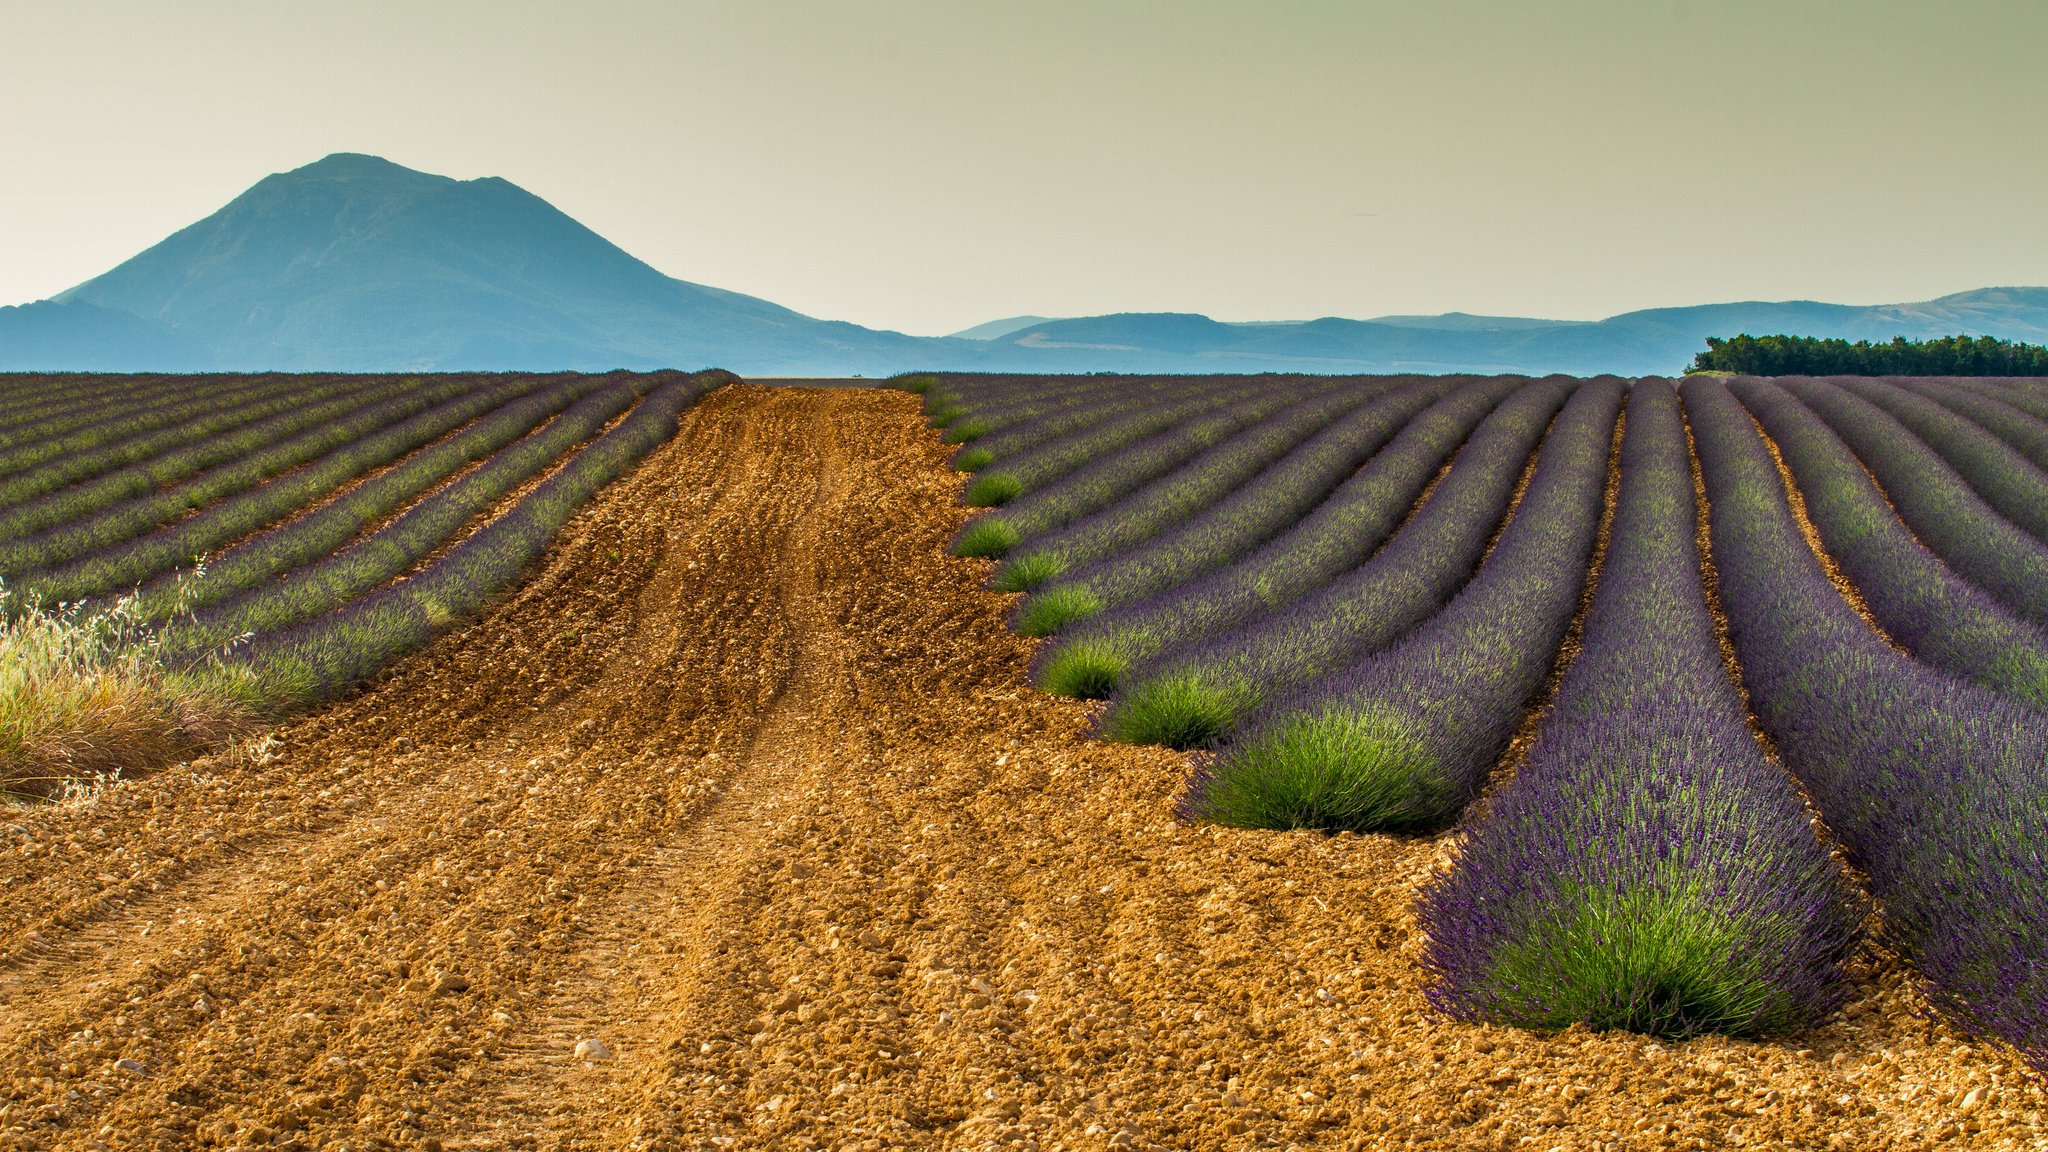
1658, 340
354, 263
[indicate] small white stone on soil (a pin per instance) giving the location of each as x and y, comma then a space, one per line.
592, 1049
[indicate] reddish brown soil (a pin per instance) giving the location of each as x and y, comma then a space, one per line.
748, 787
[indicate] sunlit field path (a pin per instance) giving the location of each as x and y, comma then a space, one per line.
739, 827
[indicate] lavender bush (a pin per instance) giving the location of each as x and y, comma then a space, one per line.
72, 521
2028, 397
124, 433
334, 580
1074, 406
1934, 786
1935, 614
1158, 596
993, 405
114, 465
2004, 477
1647, 869
2021, 430
40, 405
43, 406
1084, 405
326, 529
1133, 547
123, 565
1942, 510
1405, 738
1195, 694
1036, 467
326, 656
1179, 495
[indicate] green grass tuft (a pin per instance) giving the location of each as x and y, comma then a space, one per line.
1646, 961
1180, 710
986, 536
915, 382
1055, 608
945, 414
1089, 670
1025, 572
972, 459
991, 489
1333, 771
961, 431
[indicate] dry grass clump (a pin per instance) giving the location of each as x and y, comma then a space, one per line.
85, 694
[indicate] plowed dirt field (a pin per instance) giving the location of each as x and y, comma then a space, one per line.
740, 828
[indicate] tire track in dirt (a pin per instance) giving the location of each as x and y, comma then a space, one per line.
450, 747
611, 994
747, 784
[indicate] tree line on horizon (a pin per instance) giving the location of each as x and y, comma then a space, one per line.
1747, 355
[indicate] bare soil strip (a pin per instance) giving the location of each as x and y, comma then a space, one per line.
745, 794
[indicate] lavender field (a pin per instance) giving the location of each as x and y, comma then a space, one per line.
1709, 681
286, 536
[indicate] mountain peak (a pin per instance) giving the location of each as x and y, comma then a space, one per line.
359, 165
354, 262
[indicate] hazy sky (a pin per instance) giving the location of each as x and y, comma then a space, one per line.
929, 165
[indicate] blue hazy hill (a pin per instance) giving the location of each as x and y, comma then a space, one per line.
356, 263
1658, 340
82, 337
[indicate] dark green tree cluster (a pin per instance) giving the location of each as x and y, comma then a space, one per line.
1810, 356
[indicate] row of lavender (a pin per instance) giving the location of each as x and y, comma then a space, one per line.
1355, 593
1933, 784
267, 526
1647, 867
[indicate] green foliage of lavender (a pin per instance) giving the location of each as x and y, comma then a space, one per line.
1995, 470
2027, 396
1037, 415
326, 529
125, 432
42, 406
1013, 475
1995, 414
94, 478
1087, 566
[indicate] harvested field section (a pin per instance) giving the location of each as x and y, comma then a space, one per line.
746, 788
